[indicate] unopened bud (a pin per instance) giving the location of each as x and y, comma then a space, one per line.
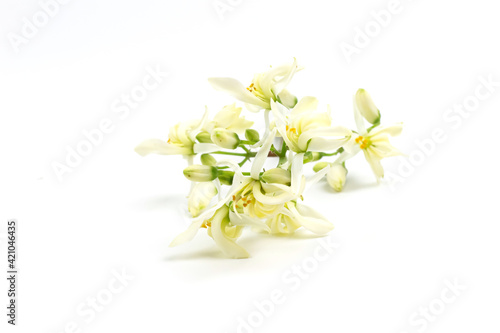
366, 107
200, 173
207, 159
225, 139
336, 176
320, 166
312, 156
277, 175
252, 135
204, 137
226, 177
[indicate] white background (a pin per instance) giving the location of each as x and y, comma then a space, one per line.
399, 241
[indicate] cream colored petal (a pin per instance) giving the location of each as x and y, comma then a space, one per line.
200, 197
337, 136
223, 241
261, 156
244, 220
156, 146
306, 104
311, 219
237, 90
375, 164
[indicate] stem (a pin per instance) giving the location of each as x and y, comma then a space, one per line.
234, 154
282, 155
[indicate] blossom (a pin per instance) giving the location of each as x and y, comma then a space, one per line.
181, 140
230, 119
373, 141
265, 87
336, 176
303, 129
295, 215
200, 197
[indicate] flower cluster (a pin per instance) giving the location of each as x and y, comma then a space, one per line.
224, 199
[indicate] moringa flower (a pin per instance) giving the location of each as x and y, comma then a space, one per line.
373, 142
303, 129
265, 87
230, 119
200, 197
294, 216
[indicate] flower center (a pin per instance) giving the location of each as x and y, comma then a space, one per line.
363, 142
255, 89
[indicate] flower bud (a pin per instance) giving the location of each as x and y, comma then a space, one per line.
320, 166
207, 159
225, 139
336, 176
252, 135
204, 137
312, 156
277, 175
366, 107
226, 177
200, 173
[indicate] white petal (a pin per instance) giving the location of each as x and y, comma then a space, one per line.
156, 146
226, 244
341, 134
311, 219
296, 172
244, 220
306, 104
261, 156
266, 130
268, 199
393, 130
237, 90
200, 197
203, 148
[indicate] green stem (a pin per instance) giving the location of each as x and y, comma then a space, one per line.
229, 153
282, 155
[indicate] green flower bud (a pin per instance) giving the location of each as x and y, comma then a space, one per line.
204, 137
201, 173
207, 159
226, 177
225, 139
277, 175
312, 156
252, 135
366, 107
320, 166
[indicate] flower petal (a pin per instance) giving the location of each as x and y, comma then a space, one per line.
225, 243
261, 156
200, 197
237, 90
318, 143
311, 219
157, 146
306, 104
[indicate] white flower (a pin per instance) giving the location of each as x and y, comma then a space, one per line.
200, 197
294, 216
373, 141
303, 129
225, 234
181, 140
265, 87
229, 118
336, 176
